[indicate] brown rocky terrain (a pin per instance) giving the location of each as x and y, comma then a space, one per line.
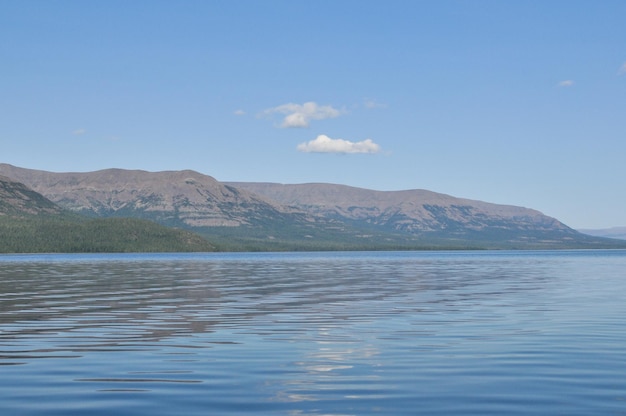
185, 197
260, 216
408, 211
17, 199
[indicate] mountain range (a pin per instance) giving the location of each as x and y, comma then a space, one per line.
269, 216
31, 223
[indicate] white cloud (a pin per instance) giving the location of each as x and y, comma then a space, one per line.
239, 112
622, 69
566, 83
79, 132
324, 144
300, 115
370, 104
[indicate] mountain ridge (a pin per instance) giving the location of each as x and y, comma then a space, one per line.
393, 208
269, 216
31, 223
183, 197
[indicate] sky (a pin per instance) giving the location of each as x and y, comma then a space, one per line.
511, 102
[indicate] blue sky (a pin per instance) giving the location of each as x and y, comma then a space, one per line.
512, 102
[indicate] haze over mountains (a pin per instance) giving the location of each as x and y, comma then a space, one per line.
614, 232
255, 216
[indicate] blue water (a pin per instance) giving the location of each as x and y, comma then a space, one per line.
390, 333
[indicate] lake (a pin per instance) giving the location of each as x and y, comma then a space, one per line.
386, 333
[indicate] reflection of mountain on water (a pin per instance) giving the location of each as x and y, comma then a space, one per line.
112, 303
107, 304
311, 333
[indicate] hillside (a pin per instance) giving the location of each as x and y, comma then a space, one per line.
17, 199
234, 219
411, 211
265, 216
31, 223
181, 198
429, 216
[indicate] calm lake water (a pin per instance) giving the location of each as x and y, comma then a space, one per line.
389, 333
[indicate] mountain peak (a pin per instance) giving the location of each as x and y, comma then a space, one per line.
185, 198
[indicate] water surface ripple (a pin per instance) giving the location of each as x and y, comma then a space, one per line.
314, 333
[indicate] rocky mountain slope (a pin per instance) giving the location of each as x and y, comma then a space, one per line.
174, 198
265, 216
17, 199
412, 211
31, 223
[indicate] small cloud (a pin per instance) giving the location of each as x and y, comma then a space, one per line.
324, 144
300, 115
622, 69
79, 132
239, 112
371, 104
566, 83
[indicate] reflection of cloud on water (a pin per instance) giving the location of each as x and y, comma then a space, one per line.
324, 368
334, 369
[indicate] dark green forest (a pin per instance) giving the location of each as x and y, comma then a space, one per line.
68, 233
72, 233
